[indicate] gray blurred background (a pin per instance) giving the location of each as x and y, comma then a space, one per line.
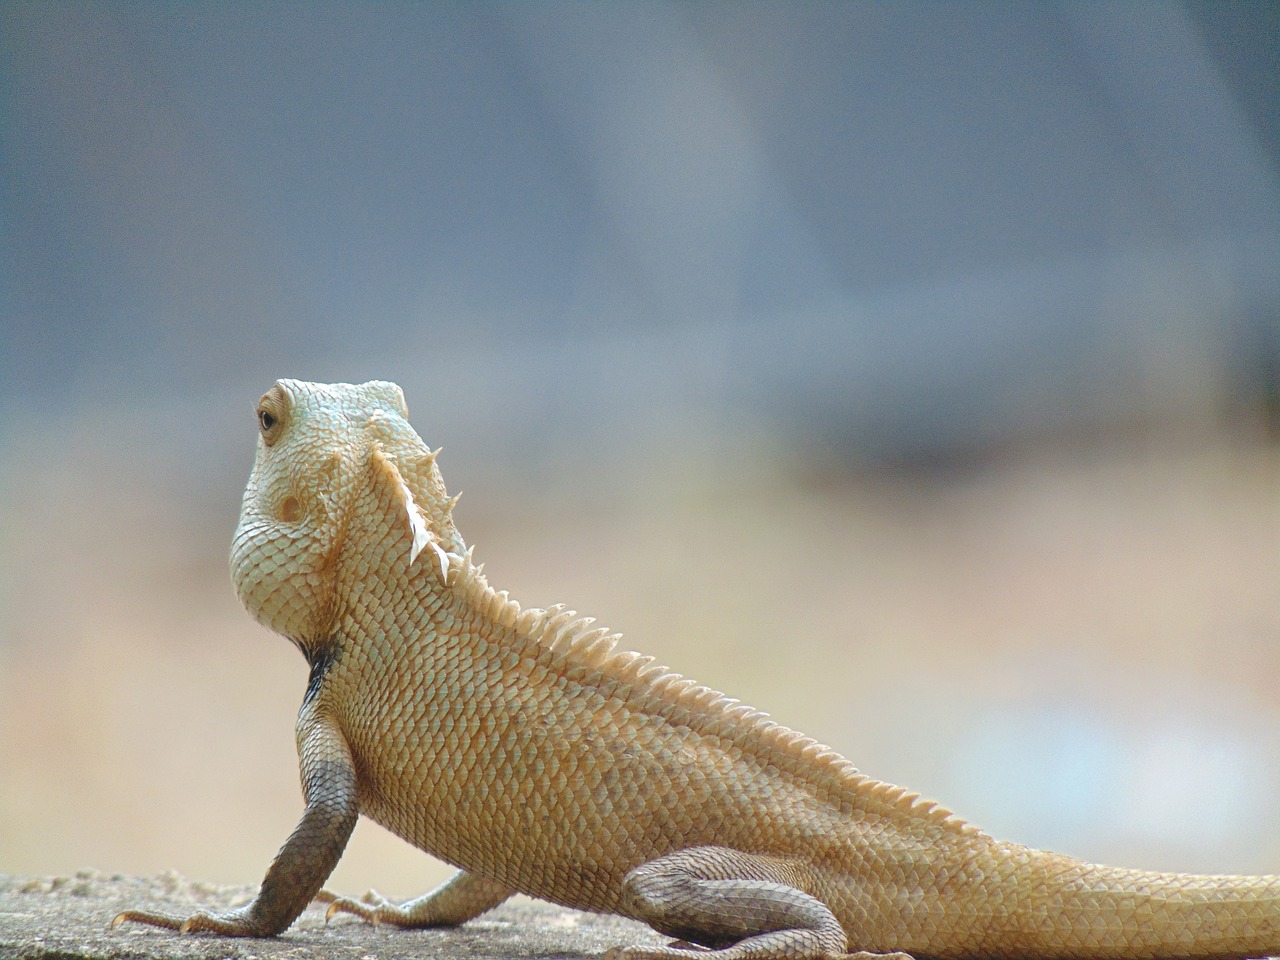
911, 371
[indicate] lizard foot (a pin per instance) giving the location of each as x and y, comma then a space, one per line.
465, 896
373, 907
237, 923
677, 948
683, 950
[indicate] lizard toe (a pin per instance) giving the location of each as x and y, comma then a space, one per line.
149, 919
358, 908
237, 923
643, 953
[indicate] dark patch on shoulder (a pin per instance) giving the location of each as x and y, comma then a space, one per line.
321, 661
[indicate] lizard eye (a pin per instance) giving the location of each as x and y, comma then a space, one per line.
272, 413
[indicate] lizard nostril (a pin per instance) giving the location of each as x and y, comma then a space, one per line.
290, 510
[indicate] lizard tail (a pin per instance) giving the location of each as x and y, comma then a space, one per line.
1066, 908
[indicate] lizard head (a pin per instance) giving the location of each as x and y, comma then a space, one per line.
343, 490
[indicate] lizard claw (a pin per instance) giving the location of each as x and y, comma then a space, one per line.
373, 907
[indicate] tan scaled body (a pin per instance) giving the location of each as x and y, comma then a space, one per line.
523, 747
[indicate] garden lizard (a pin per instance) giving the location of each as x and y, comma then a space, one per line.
524, 747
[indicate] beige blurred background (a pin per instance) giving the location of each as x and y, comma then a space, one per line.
909, 373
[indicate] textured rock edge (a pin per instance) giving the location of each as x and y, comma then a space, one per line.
68, 917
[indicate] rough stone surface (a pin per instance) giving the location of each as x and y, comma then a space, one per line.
67, 918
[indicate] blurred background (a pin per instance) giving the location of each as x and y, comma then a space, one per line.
908, 370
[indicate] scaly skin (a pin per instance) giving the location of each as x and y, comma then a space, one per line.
521, 746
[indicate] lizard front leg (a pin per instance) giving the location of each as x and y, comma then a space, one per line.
745, 906
461, 897
307, 857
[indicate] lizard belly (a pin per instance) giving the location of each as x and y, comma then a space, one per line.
552, 818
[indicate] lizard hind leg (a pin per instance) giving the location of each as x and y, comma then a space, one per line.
745, 906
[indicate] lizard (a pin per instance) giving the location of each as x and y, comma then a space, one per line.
522, 746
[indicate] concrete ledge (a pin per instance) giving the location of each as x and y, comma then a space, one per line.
43, 918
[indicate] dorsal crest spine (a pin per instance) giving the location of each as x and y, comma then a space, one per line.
574, 640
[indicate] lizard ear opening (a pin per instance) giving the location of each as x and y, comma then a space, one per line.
422, 537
